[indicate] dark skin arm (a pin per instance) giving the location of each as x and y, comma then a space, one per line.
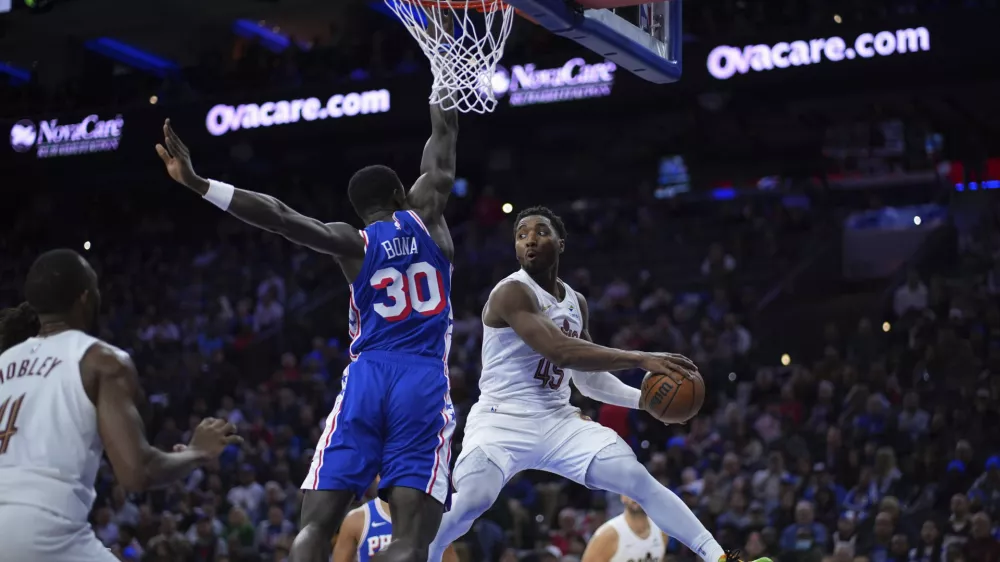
513, 305
429, 195
337, 239
110, 374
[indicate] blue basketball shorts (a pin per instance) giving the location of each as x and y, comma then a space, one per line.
394, 418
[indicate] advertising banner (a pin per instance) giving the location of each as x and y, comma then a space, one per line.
224, 118
794, 64
48, 138
726, 61
845, 56
576, 79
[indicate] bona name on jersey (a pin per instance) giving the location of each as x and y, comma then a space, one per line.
400, 246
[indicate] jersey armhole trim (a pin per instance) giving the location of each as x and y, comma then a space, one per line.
420, 222
381, 512
79, 380
363, 537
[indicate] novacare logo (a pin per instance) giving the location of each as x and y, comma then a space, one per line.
223, 119
51, 139
574, 80
726, 61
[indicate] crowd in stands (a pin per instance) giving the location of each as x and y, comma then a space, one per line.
882, 448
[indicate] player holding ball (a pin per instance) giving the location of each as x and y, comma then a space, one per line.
535, 339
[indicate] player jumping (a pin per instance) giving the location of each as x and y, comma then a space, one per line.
535, 340
65, 399
394, 414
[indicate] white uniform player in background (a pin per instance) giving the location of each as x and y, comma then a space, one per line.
630, 537
64, 397
535, 341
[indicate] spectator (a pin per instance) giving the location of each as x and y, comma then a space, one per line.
717, 263
959, 526
104, 527
269, 311
879, 542
910, 296
248, 494
124, 511
206, 544
986, 489
274, 530
929, 548
805, 534
845, 538
982, 546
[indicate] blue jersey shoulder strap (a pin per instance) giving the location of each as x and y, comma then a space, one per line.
378, 531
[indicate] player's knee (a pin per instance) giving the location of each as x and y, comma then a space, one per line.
477, 499
478, 482
616, 469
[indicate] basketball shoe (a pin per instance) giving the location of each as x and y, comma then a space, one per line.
734, 556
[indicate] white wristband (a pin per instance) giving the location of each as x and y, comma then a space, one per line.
220, 194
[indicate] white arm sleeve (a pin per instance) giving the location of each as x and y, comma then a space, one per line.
607, 388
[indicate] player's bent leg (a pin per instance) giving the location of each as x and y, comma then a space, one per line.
322, 513
478, 482
615, 469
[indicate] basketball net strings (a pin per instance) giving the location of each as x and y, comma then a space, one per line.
463, 67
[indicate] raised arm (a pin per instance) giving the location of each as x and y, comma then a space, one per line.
513, 305
138, 465
257, 209
429, 194
602, 385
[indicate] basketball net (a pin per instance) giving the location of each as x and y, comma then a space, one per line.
463, 66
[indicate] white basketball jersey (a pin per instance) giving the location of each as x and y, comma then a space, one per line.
633, 548
50, 449
512, 371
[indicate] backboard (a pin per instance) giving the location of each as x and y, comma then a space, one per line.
644, 39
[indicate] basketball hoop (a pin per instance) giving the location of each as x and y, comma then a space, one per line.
464, 64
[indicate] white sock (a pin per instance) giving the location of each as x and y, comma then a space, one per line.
616, 469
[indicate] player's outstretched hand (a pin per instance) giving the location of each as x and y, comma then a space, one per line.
669, 363
176, 157
212, 436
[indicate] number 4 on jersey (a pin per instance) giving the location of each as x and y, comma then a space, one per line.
407, 293
549, 374
8, 421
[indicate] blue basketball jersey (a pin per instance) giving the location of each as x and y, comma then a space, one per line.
401, 299
378, 531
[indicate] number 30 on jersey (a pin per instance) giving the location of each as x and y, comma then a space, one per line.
420, 288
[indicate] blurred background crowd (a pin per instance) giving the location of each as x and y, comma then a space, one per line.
840, 296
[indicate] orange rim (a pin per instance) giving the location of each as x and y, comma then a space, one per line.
477, 5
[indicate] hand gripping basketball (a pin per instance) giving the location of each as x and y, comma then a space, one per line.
672, 390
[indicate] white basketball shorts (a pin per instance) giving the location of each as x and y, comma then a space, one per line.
31, 534
516, 439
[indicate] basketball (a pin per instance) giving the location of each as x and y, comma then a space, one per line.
672, 398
